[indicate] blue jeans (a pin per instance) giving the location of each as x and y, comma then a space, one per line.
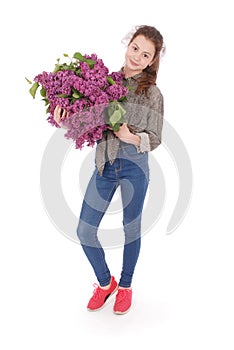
130, 171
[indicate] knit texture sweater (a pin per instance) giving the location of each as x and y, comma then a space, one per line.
144, 117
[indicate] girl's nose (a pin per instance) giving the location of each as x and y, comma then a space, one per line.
137, 56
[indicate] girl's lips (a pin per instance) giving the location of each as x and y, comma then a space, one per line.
133, 63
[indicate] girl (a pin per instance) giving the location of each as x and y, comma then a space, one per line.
121, 159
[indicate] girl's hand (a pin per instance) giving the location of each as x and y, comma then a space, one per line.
123, 132
125, 135
60, 115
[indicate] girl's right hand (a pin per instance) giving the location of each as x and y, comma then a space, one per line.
60, 115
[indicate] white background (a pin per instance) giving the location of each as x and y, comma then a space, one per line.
183, 285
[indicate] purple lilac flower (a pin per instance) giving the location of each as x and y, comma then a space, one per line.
85, 93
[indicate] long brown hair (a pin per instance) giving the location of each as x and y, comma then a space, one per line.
149, 75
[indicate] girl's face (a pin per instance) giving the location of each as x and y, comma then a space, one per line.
139, 55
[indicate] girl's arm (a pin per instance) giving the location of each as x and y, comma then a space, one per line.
152, 135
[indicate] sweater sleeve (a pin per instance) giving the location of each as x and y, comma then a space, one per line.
151, 137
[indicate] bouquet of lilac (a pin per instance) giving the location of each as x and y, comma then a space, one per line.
85, 89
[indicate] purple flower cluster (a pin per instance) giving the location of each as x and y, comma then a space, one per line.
84, 89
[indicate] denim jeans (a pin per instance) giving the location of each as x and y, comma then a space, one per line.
130, 171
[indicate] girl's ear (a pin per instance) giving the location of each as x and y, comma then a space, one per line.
152, 62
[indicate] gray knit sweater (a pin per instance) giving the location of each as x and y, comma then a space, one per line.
144, 116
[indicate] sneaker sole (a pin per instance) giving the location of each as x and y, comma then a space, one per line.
121, 312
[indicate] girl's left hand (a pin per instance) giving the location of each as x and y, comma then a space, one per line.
125, 135
123, 132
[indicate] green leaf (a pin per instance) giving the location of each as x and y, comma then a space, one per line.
110, 80
43, 92
48, 109
77, 71
122, 99
29, 81
111, 109
33, 89
63, 96
121, 109
76, 95
115, 117
78, 56
57, 68
115, 127
113, 106
90, 62
46, 101
65, 55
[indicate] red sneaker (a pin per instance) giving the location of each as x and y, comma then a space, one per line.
123, 301
101, 295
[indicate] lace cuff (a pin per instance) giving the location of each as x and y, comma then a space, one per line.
144, 143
